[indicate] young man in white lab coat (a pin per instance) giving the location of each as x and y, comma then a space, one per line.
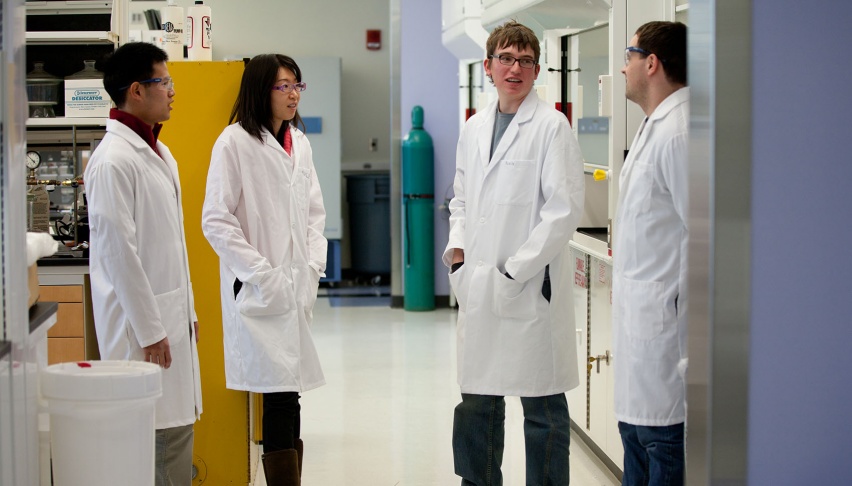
141, 290
518, 198
649, 262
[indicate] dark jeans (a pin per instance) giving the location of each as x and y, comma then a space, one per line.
281, 420
653, 456
478, 430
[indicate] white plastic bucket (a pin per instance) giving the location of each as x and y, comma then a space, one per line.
102, 421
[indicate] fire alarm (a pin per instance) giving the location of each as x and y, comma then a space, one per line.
374, 40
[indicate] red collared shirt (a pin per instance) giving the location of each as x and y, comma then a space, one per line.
149, 134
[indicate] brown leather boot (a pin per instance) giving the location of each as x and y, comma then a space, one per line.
282, 468
300, 448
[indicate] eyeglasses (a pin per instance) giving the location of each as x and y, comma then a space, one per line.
640, 51
286, 88
166, 83
507, 60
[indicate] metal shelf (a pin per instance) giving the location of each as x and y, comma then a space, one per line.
66, 122
69, 7
72, 37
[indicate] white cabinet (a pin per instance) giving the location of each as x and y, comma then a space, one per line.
577, 404
461, 29
592, 403
604, 426
541, 15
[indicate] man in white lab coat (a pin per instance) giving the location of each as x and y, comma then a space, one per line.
141, 291
518, 199
649, 262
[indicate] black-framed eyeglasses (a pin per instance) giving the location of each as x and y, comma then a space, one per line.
166, 83
508, 60
640, 51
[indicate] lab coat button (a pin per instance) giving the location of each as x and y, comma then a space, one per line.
479, 263
482, 220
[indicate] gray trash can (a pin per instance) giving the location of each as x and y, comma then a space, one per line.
368, 196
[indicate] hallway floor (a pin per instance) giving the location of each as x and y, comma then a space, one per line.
385, 416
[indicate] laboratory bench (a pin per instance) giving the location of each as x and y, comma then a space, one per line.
40, 312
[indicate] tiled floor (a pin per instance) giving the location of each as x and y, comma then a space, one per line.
385, 416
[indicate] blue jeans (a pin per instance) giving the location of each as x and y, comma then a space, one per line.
478, 431
653, 456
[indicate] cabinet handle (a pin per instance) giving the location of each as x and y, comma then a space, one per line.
603, 357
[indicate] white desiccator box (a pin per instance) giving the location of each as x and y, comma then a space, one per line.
86, 98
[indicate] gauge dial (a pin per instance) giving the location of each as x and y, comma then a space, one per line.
33, 159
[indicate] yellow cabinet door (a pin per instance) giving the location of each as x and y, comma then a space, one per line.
205, 94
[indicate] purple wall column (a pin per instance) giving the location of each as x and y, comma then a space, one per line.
800, 424
429, 78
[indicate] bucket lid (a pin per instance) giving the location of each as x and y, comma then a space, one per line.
101, 380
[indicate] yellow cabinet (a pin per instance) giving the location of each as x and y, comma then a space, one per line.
223, 454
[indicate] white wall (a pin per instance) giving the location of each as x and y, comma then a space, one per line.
320, 28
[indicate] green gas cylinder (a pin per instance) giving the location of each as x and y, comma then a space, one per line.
418, 203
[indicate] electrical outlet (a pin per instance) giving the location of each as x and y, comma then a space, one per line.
374, 144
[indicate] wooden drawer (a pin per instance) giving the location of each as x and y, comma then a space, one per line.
69, 321
61, 293
61, 350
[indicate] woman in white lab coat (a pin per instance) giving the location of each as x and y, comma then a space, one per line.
263, 215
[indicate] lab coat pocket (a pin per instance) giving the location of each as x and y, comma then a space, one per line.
459, 281
301, 185
516, 182
641, 186
173, 315
272, 296
643, 308
314, 287
513, 299
307, 283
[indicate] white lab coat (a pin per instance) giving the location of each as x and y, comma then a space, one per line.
263, 215
516, 213
141, 290
649, 294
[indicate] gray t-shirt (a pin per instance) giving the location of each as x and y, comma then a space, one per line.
501, 121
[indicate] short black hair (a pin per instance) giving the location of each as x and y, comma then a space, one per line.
130, 63
668, 41
253, 107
